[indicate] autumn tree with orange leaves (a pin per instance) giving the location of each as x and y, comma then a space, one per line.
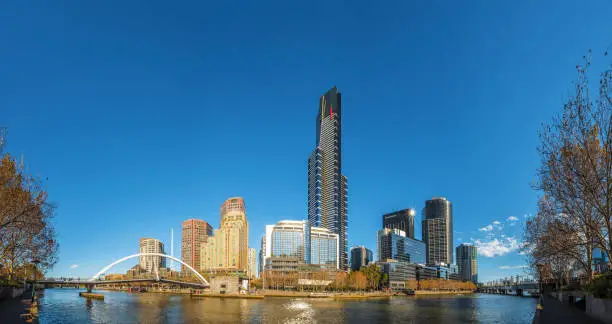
575, 179
26, 232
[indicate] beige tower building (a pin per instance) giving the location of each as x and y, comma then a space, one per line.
252, 272
228, 249
194, 233
149, 262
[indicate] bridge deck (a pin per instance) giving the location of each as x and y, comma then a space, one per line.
108, 282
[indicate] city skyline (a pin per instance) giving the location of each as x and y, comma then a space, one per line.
138, 128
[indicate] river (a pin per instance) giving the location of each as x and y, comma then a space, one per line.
65, 306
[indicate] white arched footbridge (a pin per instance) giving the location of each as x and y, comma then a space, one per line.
95, 277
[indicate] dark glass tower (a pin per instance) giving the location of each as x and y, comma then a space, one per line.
360, 257
402, 220
327, 187
438, 230
467, 260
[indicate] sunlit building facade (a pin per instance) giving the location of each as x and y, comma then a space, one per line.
149, 262
298, 239
252, 272
194, 233
402, 220
228, 248
467, 261
438, 231
393, 244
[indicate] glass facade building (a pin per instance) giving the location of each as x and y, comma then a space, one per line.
360, 257
327, 186
438, 231
600, 261
467, 261
299, 240
393, 244
402, 220
398, 272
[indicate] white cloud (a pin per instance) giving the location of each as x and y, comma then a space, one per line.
512, 219
74, 266
513, 267
486, 228
497, 247
526, 248
496, 223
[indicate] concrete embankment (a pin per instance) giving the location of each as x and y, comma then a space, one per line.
353, 297
297, 294
438, 292
228, 296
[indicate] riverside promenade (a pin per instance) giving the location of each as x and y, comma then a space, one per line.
11, 309
555, 312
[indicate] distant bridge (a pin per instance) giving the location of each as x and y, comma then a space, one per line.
520, 289
93, 281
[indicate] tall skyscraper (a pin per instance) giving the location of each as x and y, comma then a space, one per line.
262, 255
438, 230
228, 249
360, 257
402, 220
467, 262
394, 244
149, 262
327, 186
194, 233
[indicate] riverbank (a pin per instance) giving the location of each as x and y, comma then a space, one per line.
170, 292
211, 295
439, 292
305, 294
330, 295
13, 309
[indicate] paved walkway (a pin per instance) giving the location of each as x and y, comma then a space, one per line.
12, 308
556, 312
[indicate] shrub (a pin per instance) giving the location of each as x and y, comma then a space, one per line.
601, 286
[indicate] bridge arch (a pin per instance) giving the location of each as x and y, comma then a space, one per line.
149, 254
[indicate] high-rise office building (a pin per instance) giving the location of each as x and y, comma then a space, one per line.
438, 230
228, 248
252, 272
299, 240
394, 244
360, 257
327, 186
402, 220
194, 233
262, 253
468, 263
151, 263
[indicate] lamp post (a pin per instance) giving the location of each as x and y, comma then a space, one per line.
35, 262
540, 304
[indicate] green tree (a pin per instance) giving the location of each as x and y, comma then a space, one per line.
373, 275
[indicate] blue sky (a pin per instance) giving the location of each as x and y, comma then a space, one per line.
144, 113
